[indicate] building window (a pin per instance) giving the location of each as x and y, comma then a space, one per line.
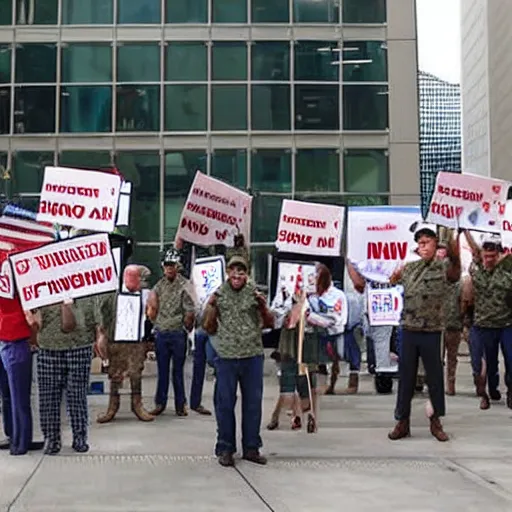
276, 11
366, 171
364, 11
317, 107
186, 62
365, 61
28, 170
40, 12
365, 107
138, 108
36, 63
5, 64
270, 107
317, 61
150, 257
266, 210
229, 107
85, 159
5, 110
316, 11
87, 12
229, 11
138, 12
138, 62
34, 109
186, 11
271, 170
5, 13
230, 165
317, 170
86, 63
185, 108
270, 61
229, 61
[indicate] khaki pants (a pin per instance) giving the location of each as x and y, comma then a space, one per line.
451, 342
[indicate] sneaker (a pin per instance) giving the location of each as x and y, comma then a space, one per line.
202, 410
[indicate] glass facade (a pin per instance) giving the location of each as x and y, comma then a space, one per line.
162, 88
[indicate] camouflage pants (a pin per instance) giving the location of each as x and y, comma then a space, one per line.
127, 360
451, 342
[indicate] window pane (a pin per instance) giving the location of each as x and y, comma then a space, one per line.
87, 12
143, 170
180, 169
229, 107
364, 11
366, 170
138, 61
229, 11
186, 62
150, 257
186, 11
365, 107
270, 61
317, 107
259, 263
315, 61
276, 11
365, 61
28, 170
316, 11
271, 170
86, 159
87, 63
34, 109
5, 110
42, 12
365, 200
317, 170
185, 108
5, 64
5, 12
335, 199
265, 217
36, 63
229, 61
86, 109
138, 108
138, 11
270, 107
230, 165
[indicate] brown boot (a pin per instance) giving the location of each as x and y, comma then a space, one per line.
113, 407
450, 387
353, 384
402, 429
159, 409
437, 430
138, 409
481, 392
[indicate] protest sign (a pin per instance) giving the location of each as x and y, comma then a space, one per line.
79, 198
129, 315
6, 281
380, 239
207, 275
310, 228
214, 213
468, 201
74, 268
385, 306
292, 277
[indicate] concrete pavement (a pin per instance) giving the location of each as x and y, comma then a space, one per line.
349, 463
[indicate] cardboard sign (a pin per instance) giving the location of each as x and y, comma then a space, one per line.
129, 318
214, 213
468, 201
79, 198
385, 306
310, 228
207, 275
380, 239
74, 268
6, 281
293, 277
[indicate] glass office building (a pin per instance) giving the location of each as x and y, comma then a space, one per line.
304, 99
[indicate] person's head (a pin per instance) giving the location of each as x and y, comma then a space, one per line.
426, 238
170, 264
323, 278
491, 249
131, 278
441, 252
237, 272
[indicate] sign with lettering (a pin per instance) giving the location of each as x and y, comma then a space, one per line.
79, 198
380, 238
6, 280
214, 213
207, 275
385, 306
468, 201
74, 268
310, 228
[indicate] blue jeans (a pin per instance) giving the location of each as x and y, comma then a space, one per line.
6, 401
196, 390
170, 345
352, 351
229, 373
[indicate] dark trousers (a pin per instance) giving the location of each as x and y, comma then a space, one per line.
6, 401
247, 372
17, 360
196, 390
59, 372
170, 345
427, 345
352, 351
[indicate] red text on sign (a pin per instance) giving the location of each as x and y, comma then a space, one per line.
73, 191
212, 214
213, 197
446, 210
300, 221
76, 211
291, 237
194, 227
387, 250
71, 255
458, 193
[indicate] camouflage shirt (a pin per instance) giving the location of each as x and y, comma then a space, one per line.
51, 336
490, 289
452, 309
174, 302
424, 285
239, 332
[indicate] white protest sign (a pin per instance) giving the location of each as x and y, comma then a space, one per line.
128, 317
6, 280
74, 268
468, 201
380, 239
293, 277
385, 306
207, 275
310, 228
214, 213
79, 198
506, 229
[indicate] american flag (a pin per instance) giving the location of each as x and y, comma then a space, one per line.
21, 234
